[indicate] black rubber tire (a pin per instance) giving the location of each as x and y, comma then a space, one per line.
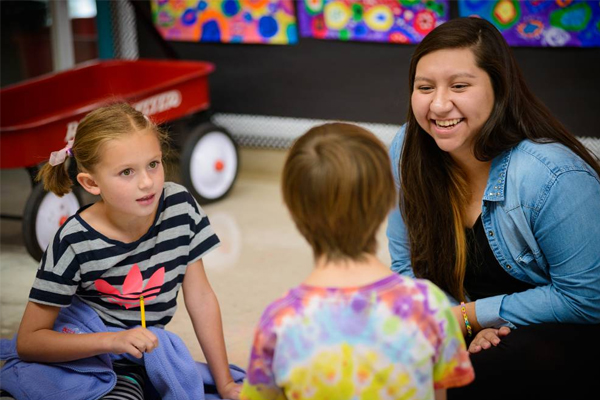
200, 133
30, 214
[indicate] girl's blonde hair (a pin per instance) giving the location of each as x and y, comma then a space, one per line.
94, 130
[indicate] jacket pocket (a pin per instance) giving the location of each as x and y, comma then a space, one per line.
526, 257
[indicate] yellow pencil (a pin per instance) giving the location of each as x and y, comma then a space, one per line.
143, 311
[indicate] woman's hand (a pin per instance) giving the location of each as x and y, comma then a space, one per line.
486, 338
231, 391
134, 341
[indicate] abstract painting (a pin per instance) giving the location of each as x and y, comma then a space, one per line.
559, 23
226, 21
397, 21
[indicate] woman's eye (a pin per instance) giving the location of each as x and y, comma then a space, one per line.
460, 86
424, 88
154, 164
126, 172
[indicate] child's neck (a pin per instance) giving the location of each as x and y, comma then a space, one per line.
119, 227
347, 273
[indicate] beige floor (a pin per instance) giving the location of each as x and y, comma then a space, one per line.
261, 256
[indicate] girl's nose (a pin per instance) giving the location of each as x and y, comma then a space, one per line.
441, 102
145, 180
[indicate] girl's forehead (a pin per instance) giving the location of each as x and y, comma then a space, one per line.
125, 139
459, 62
443, 57
131, 143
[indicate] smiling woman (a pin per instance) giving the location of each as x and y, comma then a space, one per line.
500, 207
453, 102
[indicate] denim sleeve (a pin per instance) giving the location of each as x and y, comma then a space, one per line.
567, 229
396, 229
488, 312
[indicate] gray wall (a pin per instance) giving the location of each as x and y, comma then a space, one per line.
366, 82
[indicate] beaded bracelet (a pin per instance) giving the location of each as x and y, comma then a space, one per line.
467, 324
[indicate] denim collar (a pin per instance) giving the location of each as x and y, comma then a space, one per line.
496, 184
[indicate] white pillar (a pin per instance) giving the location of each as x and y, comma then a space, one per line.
63, 54
124, 30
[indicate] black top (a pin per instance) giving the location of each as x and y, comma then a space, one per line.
484, 276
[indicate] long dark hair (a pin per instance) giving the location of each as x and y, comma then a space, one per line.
434, 190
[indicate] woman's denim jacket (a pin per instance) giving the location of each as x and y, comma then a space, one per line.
541, 212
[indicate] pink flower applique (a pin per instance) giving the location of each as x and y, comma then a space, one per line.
133, 288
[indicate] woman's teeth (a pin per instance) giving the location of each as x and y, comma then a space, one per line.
448, 123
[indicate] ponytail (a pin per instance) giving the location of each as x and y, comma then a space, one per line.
55, 178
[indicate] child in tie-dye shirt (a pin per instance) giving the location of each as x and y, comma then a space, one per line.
352, 329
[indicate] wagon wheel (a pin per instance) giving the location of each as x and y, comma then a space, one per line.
209, 163
44, 213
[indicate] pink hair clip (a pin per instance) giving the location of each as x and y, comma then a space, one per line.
59, 157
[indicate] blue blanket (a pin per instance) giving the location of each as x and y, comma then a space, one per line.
171, 369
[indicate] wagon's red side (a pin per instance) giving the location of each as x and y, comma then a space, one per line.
38, 116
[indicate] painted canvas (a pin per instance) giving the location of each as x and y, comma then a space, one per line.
226, 21
397, 21
559, 23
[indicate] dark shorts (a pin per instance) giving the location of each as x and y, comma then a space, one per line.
542, 361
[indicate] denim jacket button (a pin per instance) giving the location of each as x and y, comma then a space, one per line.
491, 233
508, 266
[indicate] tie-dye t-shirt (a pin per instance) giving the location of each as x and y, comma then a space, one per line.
393, 339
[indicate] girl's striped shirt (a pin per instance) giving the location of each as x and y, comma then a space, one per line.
110, 275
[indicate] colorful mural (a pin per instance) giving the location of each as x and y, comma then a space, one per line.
540, 23
398, 21
226, 21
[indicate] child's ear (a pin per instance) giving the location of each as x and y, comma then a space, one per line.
88, 183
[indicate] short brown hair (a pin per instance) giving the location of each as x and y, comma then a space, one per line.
338, 186
93, 131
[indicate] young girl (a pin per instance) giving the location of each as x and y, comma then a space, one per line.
352, 329
125, 256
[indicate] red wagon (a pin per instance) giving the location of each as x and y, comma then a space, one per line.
40, 115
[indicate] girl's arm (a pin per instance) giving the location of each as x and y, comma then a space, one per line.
483, 339
37, 342
471, 316
440, 394
566, 226
398, 244
567, 231
203, 307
